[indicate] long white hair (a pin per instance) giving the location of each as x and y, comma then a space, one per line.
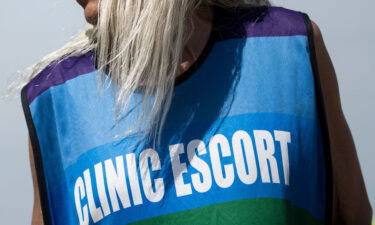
137, 43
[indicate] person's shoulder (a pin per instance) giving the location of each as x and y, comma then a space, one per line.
263, 21
283, 21
57, 73
284, 15
65, 69
317, 33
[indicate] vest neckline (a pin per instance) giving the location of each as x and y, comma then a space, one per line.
203, 55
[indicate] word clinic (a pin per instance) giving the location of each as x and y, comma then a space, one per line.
243, 163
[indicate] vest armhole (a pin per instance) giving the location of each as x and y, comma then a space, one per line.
37, 157
322, 117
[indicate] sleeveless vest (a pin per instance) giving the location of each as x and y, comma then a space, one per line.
242, 141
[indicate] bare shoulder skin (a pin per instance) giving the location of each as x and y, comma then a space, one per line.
351, 204
37, 217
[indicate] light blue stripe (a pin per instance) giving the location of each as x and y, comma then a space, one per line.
257, 86
271, 74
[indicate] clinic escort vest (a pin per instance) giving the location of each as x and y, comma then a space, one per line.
242, 141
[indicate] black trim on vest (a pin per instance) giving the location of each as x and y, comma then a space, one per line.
323, 120
203, 55
256, 11
37, 158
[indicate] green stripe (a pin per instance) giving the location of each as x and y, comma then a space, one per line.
241, 212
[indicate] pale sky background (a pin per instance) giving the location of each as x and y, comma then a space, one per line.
31, 29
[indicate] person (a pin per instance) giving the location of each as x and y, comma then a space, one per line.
191, 112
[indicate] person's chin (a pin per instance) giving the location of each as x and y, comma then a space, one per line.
91, 19
91, 14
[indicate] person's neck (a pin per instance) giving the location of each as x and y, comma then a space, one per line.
202, 19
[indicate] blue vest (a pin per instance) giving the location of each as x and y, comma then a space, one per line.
242, 142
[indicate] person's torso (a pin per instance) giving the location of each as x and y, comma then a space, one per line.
241, 143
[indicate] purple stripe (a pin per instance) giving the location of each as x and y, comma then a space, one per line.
59, 73
259, 22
